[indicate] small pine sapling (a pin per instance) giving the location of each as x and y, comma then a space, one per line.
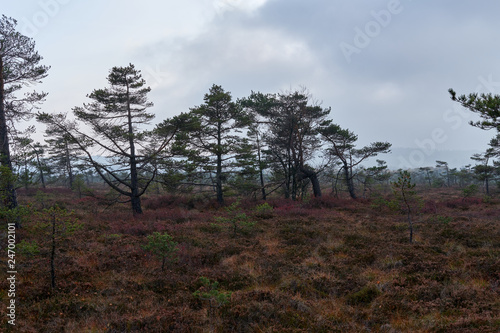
236, 218
79, 185
28, 249
406, 197
264, 211
162, 246
209, 291
469, 191
59, 223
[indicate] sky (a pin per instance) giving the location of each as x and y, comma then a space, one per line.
383, 66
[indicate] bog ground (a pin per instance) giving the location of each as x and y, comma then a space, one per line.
322, 265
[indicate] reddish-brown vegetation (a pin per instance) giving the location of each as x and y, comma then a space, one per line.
326, 265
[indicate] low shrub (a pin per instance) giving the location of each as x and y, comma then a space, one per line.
263, 211
162, 246
364, 296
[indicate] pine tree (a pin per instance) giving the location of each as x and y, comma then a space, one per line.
256, 105
19, 66
114, 117
486, 105
291, 136
63, 149
214, 143
342, 146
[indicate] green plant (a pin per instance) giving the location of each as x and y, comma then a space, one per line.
28, 249
42, 198
79, 185
9, 212
162, 246
113, 236
379, 202
209, 291
16, 215
469, 191
238, 220
264, 210
215, 227
443, 219
487, 199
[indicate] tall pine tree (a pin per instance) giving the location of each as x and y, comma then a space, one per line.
115, 146
19, 66
214, 143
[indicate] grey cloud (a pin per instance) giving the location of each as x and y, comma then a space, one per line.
394, 89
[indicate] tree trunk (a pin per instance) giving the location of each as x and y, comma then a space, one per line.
134, 179
26, 176
134, 184
262, 185
287, 186
40, 168
487, 183
349, 182
335, 188
10, 200
288, 181
69, 169
136, 205
313, 177
218, 175
218, 180
42, 178
261, 171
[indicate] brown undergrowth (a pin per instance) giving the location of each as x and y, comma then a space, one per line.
326, 265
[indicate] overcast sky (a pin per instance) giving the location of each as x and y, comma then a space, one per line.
384, 67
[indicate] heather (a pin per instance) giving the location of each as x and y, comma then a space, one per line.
314, 265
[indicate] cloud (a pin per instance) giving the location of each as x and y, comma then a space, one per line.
239, 58
394, 88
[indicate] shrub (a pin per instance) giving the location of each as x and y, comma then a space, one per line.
210, 292
443, 219
379, 202
469, 191
264, 211
364, 296
162, 246
238, 221
159, 202
28, 249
